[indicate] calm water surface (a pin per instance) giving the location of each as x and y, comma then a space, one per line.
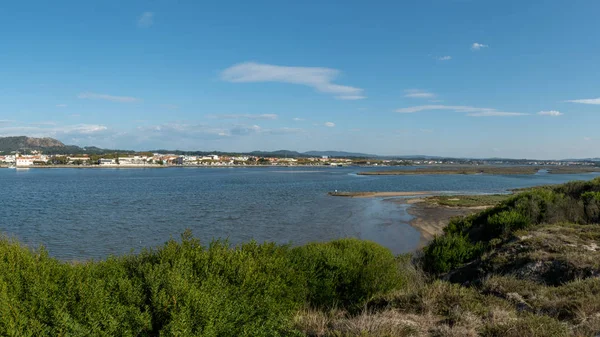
93, 213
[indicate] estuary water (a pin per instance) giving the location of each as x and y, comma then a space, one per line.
93, 213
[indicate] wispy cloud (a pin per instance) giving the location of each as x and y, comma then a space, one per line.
329, 124
585, 101
244, 116
297, 119
444, 58
417, 93
471, 111
47, 129
146, 20
550, 113
587, 139
61, 105
121, 99
494, 113
478, 46
321, 79
351, 97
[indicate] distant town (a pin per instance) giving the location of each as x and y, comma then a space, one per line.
36, 158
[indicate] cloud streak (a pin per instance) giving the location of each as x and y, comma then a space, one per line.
417, 93
146, 20
444, 58
469, 110
320, 79
550, 113
96, 96
329, 124
585, 101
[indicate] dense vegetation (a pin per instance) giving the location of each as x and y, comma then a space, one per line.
527, 267
467, 200
186, 289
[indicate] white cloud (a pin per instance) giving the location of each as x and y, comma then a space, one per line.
121, 99
550, 113
494, 113
471, 111
586, 101
48, 129
478, 46
61, 105
417, 93
329, 124
315, 77
244, 116
444, 58
146, 20
351, 97
298, 119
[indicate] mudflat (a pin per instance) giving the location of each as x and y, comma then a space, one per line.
500, 170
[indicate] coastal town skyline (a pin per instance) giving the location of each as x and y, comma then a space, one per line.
490, 80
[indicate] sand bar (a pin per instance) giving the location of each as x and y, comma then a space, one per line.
380, 194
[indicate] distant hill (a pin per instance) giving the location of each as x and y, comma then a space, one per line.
279, 153
8, 144
338, 154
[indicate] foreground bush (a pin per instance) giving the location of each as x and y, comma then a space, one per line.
346, 272
185, 289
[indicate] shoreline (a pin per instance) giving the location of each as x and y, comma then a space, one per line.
430, 219
162, 166
381, 194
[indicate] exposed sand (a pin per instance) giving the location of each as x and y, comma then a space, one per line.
430, 219
379, 194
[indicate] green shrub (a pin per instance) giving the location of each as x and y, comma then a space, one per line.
449, 251
503, 223
185, 289
346, 272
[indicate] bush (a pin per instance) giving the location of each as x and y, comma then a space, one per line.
346, 272
185, 289
504, 223
447, 252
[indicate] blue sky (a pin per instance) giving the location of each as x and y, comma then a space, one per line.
451, 78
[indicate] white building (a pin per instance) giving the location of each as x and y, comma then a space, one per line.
25, 161
103, 161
